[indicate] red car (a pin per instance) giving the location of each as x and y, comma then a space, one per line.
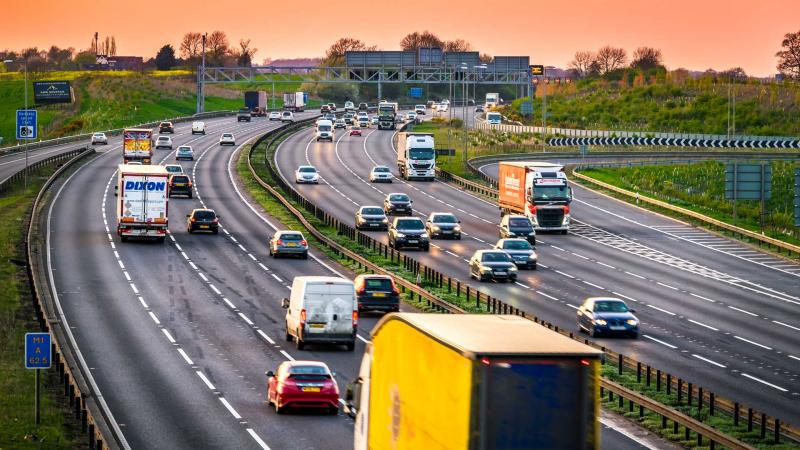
355, 131
303, 384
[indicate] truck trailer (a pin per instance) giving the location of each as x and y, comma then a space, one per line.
142, 201
137, 145
539, 190
474, 382
256, 101
416, 156
294, 101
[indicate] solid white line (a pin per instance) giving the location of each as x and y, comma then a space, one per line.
186, 357
277, 278
571, 305
178, 246
230, 408
193, 266
702, 298
153, 316
127, 276
661, 309
703, 325
593, 285
605, 265
708, 360
185, 256
764, 382
258, 440
251, 256
214, 288
667, 286
752, 342
659, 341
169, 336
635, 275
264, 335
249, 322
786, 325
122, 266
242, 247
205, 380
793, 357
742, 310
288, 356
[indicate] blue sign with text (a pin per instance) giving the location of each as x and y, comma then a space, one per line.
26, 124
415, 92
37, 351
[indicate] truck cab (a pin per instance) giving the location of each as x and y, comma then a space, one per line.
416, 156
387, 113
539, 190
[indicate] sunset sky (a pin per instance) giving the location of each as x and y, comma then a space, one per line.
696, 34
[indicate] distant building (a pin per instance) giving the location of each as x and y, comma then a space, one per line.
104, 62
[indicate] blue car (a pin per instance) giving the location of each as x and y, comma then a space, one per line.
607, 315
184, 152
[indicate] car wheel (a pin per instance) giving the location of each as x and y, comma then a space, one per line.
563, 231
299, 343
426, 248
592, 332
190, 195
634, 335
333, 411
305, 255
278, 409
533, 267
123, 238
216, 231
351, 346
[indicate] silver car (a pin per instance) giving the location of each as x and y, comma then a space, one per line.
164, 142
520, 250
371, 218
99, 138
380, 174
288, 243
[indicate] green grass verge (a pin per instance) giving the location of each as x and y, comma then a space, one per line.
17, 317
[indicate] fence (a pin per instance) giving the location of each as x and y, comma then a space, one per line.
688, 393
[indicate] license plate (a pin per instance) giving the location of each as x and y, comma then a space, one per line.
291, 244
412, 241
317, 325
374, 224
311, 389
501, 272
203, 226
180, 184
379, 294
616, 328
447, 231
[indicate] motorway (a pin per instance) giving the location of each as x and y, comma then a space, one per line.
713, 311
178, 336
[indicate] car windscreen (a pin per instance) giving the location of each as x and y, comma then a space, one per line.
163, 138
204, 215
174, 169
381, 169
410, 225
378, 284
292, 237
399, 198
444, 218
495, 257
519, 223
227, 135
184, 149
516, 245
180, 179
372, 212
609, 306
307, 170
421, 153
99, 135
324, 128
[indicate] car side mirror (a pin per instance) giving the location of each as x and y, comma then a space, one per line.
333, 374
188, 215
632, 310
285, 303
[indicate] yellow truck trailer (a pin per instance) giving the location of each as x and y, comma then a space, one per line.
446, 381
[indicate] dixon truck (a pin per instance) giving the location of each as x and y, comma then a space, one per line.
142, 201
294, 101
416, 156
137, 145
539, 190
387, 113
474, 382
256, 101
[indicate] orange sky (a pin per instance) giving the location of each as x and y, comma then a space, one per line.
696, 34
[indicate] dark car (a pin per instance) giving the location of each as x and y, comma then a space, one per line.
492, 265
166, 127
363, 107
443, 225
202, 220
408, 232
398, 204
479, 108
607, 315
180, 184
513, 226
520, 250
371, 218
377, 293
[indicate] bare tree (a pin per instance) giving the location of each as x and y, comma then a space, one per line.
734, 73
646, 58
610, 58
244, 56
191, 45
580, 62
217, 47
112, 51
485, 58
789, 57
457, 45
414, 41
335, 54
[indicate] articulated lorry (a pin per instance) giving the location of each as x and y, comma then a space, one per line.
142, 201
387, 113
294, 101
474, 382
416, 156
256, 101
137, 145
539, 190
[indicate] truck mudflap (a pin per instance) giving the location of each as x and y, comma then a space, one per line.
124, 230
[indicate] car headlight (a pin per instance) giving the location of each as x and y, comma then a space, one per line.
485, 269
600, 321
532, 257
424, 235
632, 322
532, 233
456, 228
512, 269
435, 228
385, 220
399, 235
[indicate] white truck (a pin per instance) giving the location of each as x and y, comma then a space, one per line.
416, 156
294, 101
539, 190
492, 100
142, 201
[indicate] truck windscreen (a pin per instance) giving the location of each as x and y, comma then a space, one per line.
421, 153
324, 128
551, 193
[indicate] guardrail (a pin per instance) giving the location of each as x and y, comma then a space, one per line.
694, 396
19, 176
82, 396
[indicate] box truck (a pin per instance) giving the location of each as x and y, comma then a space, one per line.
294, 101
492, 100
539, 190
387, 112
474, 382
142, 201
256, 101
137, 145
416, 156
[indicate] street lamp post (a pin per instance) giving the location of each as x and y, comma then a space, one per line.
464, 74
25, 65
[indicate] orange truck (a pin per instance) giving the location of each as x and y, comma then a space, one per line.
538, 190
137, 145
474, 382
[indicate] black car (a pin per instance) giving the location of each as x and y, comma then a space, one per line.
377, 293
513, 226
180, 184
166, 127
408, 232
363, 107
443, 225
398, 204
202, 220
479, 108
371, 218
492, 265
607, 315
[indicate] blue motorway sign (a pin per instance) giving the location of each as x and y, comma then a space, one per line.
37, 351
26, 124
305, 98
415, 92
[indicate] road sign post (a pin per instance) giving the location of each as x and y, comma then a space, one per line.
37, 356
749, 182
27, 129
797, 197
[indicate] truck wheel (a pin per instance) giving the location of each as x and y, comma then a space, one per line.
351, 346
161, 240
299, 343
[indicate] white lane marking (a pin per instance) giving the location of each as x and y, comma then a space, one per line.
214, 288
624, 296
203, 277
765, 382
661, 309
793, 357
547, 295
186, 357
258, 440
242, 247
564, 273
229, 303
288, 356
127, 277
252, 257
660, 341
169, 336
593, 285
205, 380
230, 408
708, 360
606, 265
571, 305
263, 266
635, 275
523, 285
141, 300
264, 335
703, 325
557, 248
742, 310
362, 339
667, 286
135, 291
153, 316
702, 298
246, 319
176, 244
580, 256
193, 265
786, 325
752, 342
184, 256
277, 278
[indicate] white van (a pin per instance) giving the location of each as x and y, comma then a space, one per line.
324, 130
198, 128
322, 310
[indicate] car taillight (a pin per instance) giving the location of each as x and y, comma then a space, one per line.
304, 242
190, 184
532, 209
566, 209
279, 242
302, 317
193, 220
355, 319
216, 221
